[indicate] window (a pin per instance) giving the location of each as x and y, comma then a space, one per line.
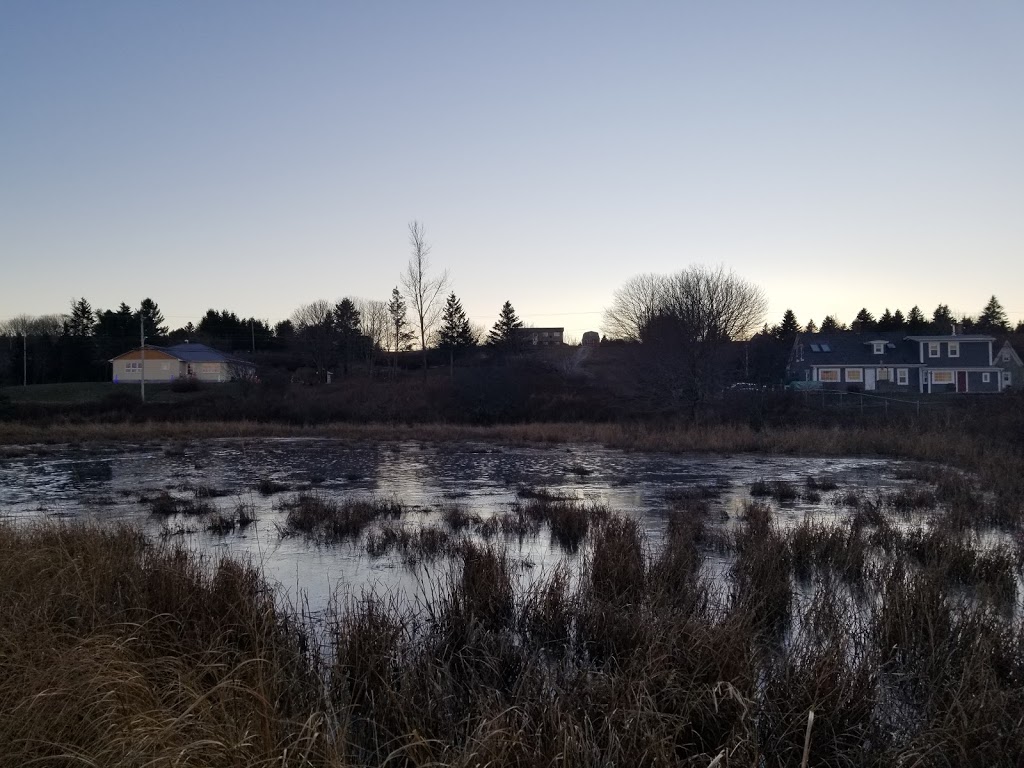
165, 366
882, 374
986, 378
954, 349
826, 348
1006, 378
855, 374
1005, 357
878, 347
815, 348
133, 367
208, 367
902, 377
933, 349
828, 374
942, 377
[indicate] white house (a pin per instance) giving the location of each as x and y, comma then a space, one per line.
182, 361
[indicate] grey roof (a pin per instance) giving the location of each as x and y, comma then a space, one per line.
196, 353
848, 348
960, 337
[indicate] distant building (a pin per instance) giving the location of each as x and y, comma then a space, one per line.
591, 339
896, 362
1010, 365
182, 361
539, 337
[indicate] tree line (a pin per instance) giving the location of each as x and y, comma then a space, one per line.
78, 345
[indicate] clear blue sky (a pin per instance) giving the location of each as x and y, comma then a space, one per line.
255, 156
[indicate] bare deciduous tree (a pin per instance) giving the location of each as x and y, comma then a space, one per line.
314, 329
374, 323
634, 306
423, 291
685, 322
33, 325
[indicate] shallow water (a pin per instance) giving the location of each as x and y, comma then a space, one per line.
105, 483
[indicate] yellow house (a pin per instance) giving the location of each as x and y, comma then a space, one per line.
182, 361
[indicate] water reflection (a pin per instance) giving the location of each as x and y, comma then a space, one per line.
109, 483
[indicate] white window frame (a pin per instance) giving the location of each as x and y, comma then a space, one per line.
878, 347
986, 378
857, 375
950, 374
831, 372
934, 349
1007, 378
902, 377
953, 349
883, 374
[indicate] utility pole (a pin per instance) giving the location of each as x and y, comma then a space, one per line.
252, 330
142, 349
24, 359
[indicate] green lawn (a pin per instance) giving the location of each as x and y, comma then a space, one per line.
86, 392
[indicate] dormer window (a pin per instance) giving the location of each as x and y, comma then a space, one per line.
954, 349
878, 347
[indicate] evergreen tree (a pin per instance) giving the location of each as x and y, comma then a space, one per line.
399, 333
811, 327
116, 332
865, 321
455, 332
503, 335
916, 321
993, 318
942, 319
830, 325
77, 345
899, 322
1020, 327
81, 322
789, 326
152, 321
346, 325
885, 322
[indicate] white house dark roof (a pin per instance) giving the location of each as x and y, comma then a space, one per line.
195, 353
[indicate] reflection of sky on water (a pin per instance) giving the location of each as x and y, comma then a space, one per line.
105, 483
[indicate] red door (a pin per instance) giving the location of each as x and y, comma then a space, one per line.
961, 381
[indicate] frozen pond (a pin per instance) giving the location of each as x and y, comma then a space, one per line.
109, 484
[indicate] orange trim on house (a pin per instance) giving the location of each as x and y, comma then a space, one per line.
151, 354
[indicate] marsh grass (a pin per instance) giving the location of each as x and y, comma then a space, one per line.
120, 652
324, 520
780, 490
422, 544
164, 504
268, 487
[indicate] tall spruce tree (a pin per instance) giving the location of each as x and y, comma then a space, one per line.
916, 321
455, 333
503, 335
865, 321
152, 320
346, 325
398, 331
942, 319
789, 327
993, 318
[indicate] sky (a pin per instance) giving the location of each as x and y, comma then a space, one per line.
255, 156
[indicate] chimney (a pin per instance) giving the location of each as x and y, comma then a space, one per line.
958, 329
